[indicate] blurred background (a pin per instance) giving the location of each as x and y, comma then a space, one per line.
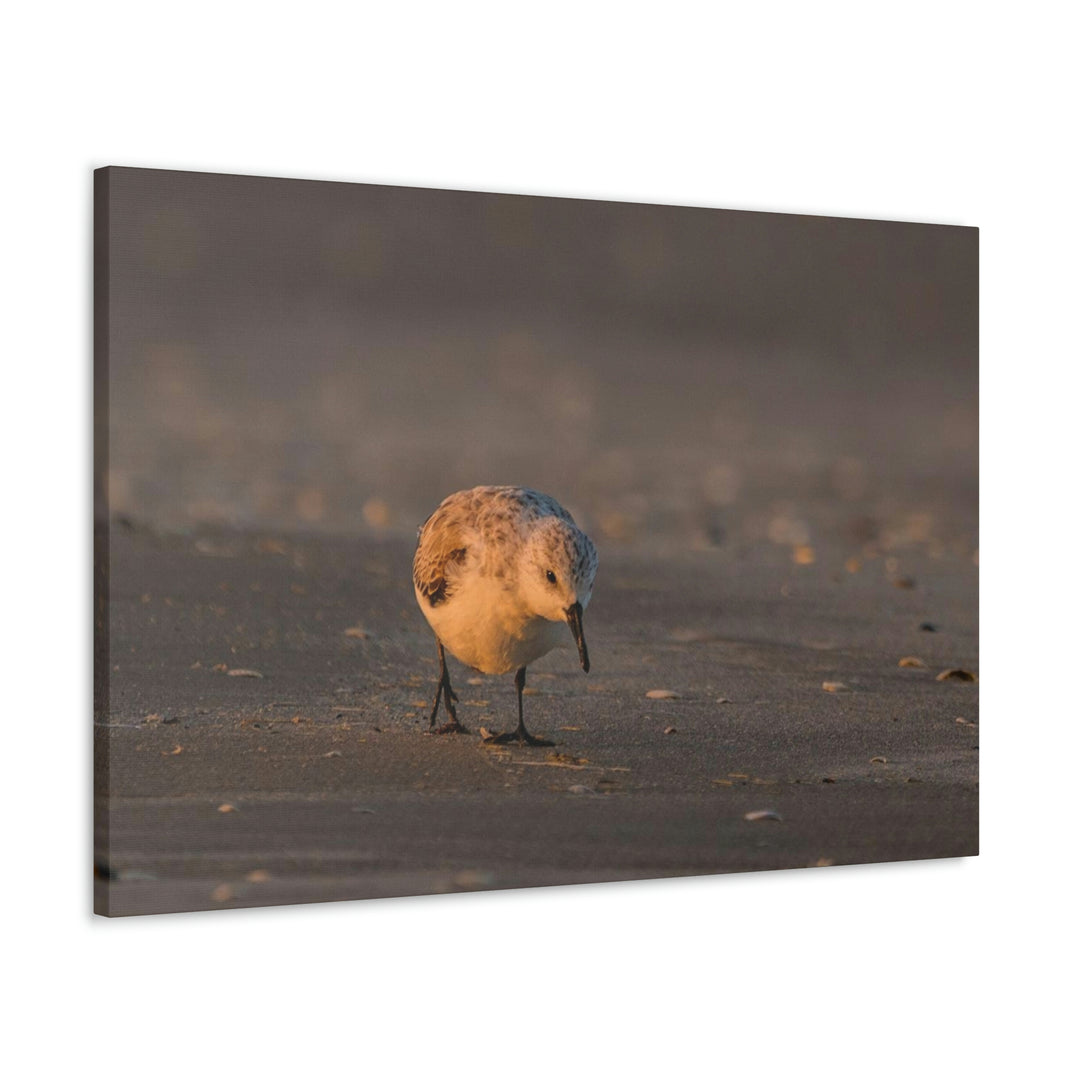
332, 357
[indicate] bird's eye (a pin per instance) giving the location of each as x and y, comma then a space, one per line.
551, 576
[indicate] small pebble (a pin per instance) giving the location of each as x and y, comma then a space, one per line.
911, 661
879, 761
957, 674
226, 808
245, 673
662, 695
762, 815
834, 687
670, 731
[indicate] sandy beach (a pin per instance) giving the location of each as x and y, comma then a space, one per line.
312, 777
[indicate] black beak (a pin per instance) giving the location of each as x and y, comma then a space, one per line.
573, 618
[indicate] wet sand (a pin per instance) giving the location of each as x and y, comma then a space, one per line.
315, 779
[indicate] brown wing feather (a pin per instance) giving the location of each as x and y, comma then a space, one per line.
440, 545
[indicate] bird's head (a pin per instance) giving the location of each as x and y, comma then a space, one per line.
557, 574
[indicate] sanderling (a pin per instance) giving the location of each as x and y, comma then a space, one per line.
497, 571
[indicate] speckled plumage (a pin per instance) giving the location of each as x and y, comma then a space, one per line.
500, 573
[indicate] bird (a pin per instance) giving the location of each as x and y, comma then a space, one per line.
499, 573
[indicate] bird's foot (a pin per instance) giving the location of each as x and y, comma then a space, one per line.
451, 727
448, 698
535, 740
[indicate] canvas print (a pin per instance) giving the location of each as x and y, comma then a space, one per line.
451, 541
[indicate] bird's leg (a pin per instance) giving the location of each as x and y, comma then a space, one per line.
521, 735
446, 692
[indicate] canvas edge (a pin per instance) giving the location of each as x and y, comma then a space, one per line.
101, 665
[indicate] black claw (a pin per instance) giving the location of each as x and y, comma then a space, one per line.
451, 727
533, 740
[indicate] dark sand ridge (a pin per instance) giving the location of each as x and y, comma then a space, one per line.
336, 792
